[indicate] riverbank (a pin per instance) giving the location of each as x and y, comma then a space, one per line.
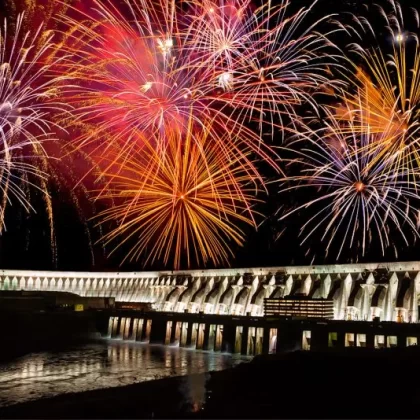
161, 398
352, 383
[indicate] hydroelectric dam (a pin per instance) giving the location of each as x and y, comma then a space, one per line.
372, 305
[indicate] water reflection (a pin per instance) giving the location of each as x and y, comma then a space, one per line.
107, 364
194, 391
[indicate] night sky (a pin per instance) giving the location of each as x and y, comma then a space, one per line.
26, 243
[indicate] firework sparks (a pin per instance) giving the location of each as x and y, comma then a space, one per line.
359, 199
387, 95
182, 205
26, 106
263, 57
226, 63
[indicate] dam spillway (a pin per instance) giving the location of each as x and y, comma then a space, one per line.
381, 291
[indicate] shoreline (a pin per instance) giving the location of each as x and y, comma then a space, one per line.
115, 402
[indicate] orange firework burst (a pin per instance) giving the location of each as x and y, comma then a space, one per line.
181, 204
386, 99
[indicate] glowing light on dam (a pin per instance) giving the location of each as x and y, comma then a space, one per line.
388, 291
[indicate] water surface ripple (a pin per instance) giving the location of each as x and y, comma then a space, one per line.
108, 363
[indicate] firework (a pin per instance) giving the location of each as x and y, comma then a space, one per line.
182, 205
26, 106
262, 58
386, 94
135, 77
358, 199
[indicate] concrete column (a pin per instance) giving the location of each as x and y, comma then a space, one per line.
319, 339
401, 340
158, 331
289, 338
144, 329
118, 327
340, 339
206, 337
228, 341
173, 331
130, 328
189, 335
266, 340
370, 340
244, 344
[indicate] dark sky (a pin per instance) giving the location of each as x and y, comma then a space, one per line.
26, 243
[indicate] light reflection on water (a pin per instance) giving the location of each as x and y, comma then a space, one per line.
109, 363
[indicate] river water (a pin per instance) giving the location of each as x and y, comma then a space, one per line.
103, 364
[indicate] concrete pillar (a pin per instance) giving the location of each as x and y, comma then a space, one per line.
130, 328
189, 334
158, 331
244, 344
289, 338
118, 333
173, 331
139, 332
228, 341
340, 339
370, 340
206, 337
266, 340
144, 330
319, 339
401, 341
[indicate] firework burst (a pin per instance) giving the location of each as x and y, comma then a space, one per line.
386, 98
26, 106
136, 77
182, 205
358, 198
263, 58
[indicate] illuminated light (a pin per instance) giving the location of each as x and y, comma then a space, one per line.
225, 80
147, 86
399, 38
166, 45
211, 10
359, 186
